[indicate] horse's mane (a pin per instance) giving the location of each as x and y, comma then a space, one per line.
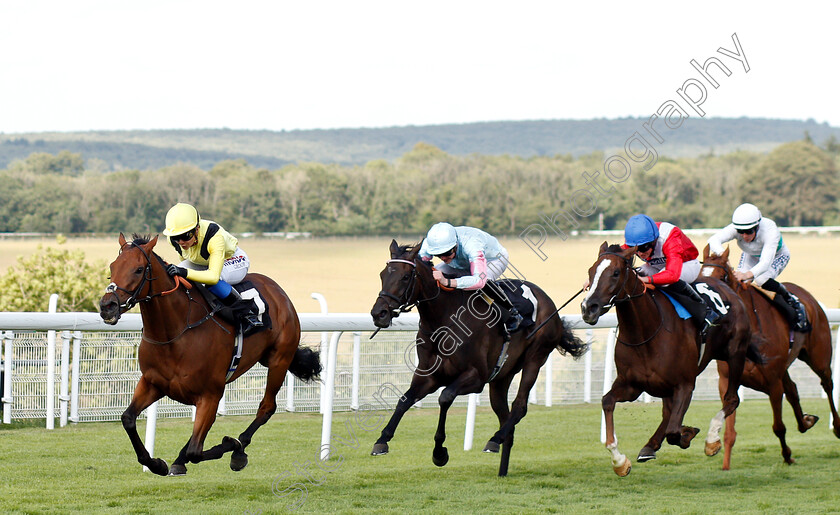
143, 239
615, 248
140, 239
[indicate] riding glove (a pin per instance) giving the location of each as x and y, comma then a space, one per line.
174, 270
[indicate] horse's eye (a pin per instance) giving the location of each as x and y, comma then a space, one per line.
405, 278
139, 270
615, 273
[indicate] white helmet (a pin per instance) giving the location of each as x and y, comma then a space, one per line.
746, 216
441, 238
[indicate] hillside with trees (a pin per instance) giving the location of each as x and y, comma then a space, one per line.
797, 183
154, 149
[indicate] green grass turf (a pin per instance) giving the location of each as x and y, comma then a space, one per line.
557, 465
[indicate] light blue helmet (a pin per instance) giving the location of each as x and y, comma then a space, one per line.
640, 229
441, 238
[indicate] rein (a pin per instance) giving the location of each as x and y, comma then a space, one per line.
405, 304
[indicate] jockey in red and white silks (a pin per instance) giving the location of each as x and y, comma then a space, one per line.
674, 257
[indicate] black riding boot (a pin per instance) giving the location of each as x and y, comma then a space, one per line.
242, 309
510, 315
703, 315
790, 305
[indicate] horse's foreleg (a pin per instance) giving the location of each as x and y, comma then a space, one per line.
193, 451
468, 382
620, 392
421, 386
804, 421
648, 452
713, 444
735, 365
675, 432
775, 393
144, 395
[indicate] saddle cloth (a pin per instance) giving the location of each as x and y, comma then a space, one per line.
246, 290
522, 298
711, 297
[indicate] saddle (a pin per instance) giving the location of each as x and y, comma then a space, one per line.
246, 290
518, 294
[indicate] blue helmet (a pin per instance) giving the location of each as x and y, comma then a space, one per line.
640, 229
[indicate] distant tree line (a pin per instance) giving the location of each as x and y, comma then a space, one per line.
796, 184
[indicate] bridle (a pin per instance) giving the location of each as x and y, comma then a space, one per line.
628, 266
725, 269
132, 295
133, 299
404, 302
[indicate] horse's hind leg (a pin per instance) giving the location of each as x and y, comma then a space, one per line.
775, 393
498, 401
144, 395
818, 357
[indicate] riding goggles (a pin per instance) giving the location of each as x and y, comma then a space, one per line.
746, 231
187, 236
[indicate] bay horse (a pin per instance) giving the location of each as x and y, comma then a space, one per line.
781, 348
657, 352
185, 352
460, 346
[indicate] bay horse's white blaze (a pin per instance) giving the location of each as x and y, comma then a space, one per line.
707, 271
598, 271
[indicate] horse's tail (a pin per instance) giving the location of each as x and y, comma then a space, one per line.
754, 353
569, 343
306, 364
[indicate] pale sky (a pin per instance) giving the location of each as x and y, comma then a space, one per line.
307, 64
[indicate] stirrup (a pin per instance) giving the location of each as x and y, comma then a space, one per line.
513, 323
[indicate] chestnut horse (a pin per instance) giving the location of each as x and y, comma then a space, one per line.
657, 352
461, 346
185, 352
772, 378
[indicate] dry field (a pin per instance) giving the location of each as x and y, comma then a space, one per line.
346, 270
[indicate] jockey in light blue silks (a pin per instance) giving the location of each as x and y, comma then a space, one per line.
471, 257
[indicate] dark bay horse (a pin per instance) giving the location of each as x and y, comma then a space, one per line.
657, 352
184, 353
459, 344
771, 377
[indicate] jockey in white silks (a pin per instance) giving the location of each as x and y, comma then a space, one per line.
763, 257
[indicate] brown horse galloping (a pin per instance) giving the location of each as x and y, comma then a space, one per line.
185, 352
657, 352
771, 377
459, 344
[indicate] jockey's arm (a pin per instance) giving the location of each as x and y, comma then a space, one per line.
768, 253
216, 247
717, 240
478, 274
673, 263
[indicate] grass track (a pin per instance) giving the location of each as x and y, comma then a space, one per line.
557, 465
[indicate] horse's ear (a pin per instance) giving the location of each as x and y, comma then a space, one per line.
706, 252
603, 248
394, 248
152, 243
122, 240
726, 253
413, 252
629, 252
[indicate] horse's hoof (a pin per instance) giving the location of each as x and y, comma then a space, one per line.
440, 456
379, 449
712, 448
646, 454
238, 461
177, 470
158, 466
623, 469
688, 434
808, 421
492, 446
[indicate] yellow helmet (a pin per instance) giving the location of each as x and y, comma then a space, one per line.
180, 219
